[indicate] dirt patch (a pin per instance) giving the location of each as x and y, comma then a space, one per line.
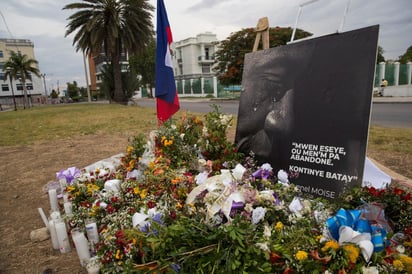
24, 172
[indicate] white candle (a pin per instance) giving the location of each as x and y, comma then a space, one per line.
65, 197
68, 208
92, 233
63, 184
43, 217
82, 246
93, 267
62, 237
53, 234
53, 200
55, 215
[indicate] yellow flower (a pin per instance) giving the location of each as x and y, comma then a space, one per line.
151, 165
279, 226
301, 255
129, 149
330, 245
352, 251
143, 193
179, 206
136, 190
119, 255
398, 265
407, 262
71, 188
319, 237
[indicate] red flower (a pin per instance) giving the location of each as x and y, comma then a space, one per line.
406, 197
173, 215
374, 192
151, 204
398, 191
408, 230
275, 258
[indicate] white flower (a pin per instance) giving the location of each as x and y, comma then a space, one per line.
201, 177
182, 136
370, 270
400, 249
267, 232
263, 246
283, 177
238, 172
173, 127
205, 131
258, 214
225, 119
226, 176
266, 166
266, 195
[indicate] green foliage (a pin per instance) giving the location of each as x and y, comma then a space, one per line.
380, 57
143, 63
73, 90
230, 56
114, 26
406, 57
130, 83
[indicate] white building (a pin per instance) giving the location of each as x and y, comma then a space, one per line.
35, 86
193, 60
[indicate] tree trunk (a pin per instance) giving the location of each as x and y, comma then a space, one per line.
118, 95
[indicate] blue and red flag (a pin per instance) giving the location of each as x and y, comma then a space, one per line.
165, 90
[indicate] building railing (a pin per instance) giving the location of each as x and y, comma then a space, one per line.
395, 73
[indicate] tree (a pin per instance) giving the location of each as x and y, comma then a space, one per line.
130, 83
232, 50
116, 26
406, 57
73, 90
380, 57
144, 64
20, 66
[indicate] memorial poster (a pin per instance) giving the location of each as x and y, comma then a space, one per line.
305, 108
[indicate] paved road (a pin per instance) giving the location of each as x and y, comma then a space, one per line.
389, 114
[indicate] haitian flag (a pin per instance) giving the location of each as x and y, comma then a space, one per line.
166, 93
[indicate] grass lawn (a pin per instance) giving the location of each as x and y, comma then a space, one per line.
391, 147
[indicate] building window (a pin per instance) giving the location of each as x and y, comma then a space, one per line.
19, 87
29, 86
207, 53
205, 68
5, 87
1, 54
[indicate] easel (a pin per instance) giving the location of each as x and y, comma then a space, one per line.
262, 30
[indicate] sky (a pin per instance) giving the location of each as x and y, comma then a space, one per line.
44, 23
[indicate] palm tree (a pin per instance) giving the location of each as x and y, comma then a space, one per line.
115, 26
21, 66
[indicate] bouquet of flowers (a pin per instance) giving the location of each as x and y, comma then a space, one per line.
185, 200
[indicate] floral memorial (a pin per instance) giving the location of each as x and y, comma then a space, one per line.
184, 200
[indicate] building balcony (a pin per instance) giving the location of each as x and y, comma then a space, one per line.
205, 59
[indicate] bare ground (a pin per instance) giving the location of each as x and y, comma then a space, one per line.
24, 173
25, 170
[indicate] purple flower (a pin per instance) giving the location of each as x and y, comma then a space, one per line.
68, 174
158, 218
176, 267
